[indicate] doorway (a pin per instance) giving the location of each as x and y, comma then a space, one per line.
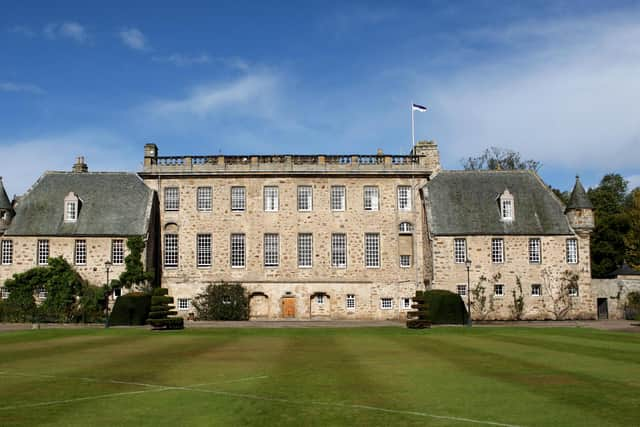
288, 307
603, 309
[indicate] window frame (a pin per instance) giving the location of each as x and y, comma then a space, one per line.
571, 251
204, 199
497, 250
405, 227
80, 252
234, 254
271, 250
339, 247
385, 300
495, 290
457, 250
271, 198
172, 199
305, 194
350, 302
404, 305
6, 254
405, 199
204, 250
338, 193
4, 293
535, 250
171, 251
372, 254
238, 198
537, 293
305, 250
461, 289
71, 210
117, 251
186, 306
371, 193
573, 291
406, 258
506, 209
42, 255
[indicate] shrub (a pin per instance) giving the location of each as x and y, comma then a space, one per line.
632, 306
222, 301
130, 309
419, 319
161, 309
445, 307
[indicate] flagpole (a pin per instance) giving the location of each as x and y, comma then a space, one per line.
413, 132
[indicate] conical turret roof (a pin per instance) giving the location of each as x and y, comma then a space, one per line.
5, 203
579, 198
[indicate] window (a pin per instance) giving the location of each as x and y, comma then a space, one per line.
4, 293
42, 293
460, 250
350, 302
305, 250
71, 211
184, 303
237, 250
507, 210
572, 251
497, 251
534, 251
405, 261
338, 197
536, 290
117, 251
462, 290
43, 252
170, 250
117, 292
305, 198
203, 197
339, 250
226, 299
171, 199
404, 198
498, 290
372, 250
371, 198
406, 303
386, 303
320, 298
81, 252
203, 250
238, 199
7, 252
573, 291
271, 199
406, 228
271, 243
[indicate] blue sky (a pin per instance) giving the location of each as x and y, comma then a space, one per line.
556, 81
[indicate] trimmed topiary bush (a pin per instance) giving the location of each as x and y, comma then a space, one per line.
445, 308
131, 309
419, 318
222, 301
161, 308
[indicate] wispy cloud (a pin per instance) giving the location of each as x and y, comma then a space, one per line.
20, 87
253, 93
67, 30
103, 150
133, 38
22, 30
183, 60
350, 18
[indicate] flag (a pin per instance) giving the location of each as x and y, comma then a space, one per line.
418, 107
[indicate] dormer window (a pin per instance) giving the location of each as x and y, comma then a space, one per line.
71, 207
506, 206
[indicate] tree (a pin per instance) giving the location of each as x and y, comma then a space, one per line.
134, 273
419, 319
496, 158
222, 301
611, 224
632, 238
161, 308
63, 284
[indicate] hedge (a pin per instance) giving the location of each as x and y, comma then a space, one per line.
130, 309
445, 308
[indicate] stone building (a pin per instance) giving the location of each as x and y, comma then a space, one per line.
86, 217
318, 236
612, 293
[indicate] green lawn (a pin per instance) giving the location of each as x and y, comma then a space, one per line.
377, 376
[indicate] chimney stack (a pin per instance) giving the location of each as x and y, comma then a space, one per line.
430, 157
80, 165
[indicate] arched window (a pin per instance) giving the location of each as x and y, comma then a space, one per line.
406, 228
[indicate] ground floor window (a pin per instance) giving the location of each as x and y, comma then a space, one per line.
320, 299
4, 293
117, 292
386, 303
184, 303
406, 303
42, 293
536, 290
462, 290
573, 291
498, 290
405, 261
351, 301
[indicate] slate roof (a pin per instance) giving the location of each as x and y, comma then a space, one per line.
5, 203
579, 198
625, 270
111, 204
466, 203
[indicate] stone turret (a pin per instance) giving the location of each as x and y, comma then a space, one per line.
431, 161
150, 154
80, 166
579, 210
6, 209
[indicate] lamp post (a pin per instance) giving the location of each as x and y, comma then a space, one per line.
467, 264
107, 267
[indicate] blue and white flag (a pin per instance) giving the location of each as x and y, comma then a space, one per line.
418, 107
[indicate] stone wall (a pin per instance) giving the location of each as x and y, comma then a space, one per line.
368, 284
615, 291
553, 301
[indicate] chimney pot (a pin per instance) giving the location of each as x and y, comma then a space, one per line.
80, 165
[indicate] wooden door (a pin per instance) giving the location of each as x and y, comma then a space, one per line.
288, 307
603, 309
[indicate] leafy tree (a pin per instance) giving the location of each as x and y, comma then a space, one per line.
22, 288
134, 273
611, 224
63, 283
496, 158
632, 238
222, 301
